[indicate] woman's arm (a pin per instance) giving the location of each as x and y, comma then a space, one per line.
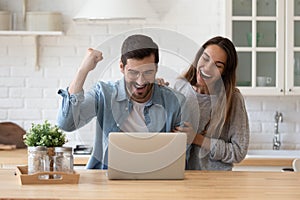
234, 145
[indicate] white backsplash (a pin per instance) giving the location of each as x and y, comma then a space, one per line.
261, 112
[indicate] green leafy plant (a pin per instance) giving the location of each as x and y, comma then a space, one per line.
45, 135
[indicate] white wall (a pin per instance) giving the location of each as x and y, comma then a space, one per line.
28, 96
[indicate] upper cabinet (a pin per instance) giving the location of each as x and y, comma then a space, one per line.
293, 46
266, 34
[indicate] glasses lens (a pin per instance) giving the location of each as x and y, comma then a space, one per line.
132, 74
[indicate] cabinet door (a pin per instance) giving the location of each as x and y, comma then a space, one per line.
293, 47
255, 27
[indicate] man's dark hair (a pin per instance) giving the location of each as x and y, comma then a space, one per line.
138, 47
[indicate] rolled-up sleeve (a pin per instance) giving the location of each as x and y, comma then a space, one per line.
69, 99
72, 113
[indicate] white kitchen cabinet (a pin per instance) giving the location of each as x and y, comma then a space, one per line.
266, 34
292, 47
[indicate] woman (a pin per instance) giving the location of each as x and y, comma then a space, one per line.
222, 129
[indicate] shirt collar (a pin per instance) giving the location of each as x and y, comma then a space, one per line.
121, 90
157, 95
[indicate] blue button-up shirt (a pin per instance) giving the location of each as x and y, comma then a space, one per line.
109, 102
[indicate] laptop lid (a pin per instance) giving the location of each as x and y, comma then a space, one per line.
146, 155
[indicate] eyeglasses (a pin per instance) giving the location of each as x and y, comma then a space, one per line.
133, 74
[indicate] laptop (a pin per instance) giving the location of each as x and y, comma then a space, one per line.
146, 155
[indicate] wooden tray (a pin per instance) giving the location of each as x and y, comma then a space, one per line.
65, 178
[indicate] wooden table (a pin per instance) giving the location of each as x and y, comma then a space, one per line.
93, 184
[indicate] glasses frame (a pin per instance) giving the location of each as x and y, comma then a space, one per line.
134, 74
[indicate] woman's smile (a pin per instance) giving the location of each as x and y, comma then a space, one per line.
204, 75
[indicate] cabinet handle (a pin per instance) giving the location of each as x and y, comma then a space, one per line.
281, 90
290, 90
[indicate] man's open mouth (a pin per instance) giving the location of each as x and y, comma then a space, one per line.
140, 86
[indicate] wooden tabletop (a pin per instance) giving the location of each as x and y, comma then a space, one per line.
93, 184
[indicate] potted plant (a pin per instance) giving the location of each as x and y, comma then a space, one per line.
45, 135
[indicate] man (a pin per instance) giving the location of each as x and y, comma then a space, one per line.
133, 104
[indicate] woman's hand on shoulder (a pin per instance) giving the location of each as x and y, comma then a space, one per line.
162, 82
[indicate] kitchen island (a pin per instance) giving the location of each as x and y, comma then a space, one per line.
93, 184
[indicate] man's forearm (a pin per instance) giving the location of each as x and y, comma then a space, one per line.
78, 82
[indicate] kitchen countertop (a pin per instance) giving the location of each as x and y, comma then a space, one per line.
270, 158
19, 157
93, 184
263, 161
254, 158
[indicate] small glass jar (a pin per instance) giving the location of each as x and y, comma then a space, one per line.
63, 160
38, 161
